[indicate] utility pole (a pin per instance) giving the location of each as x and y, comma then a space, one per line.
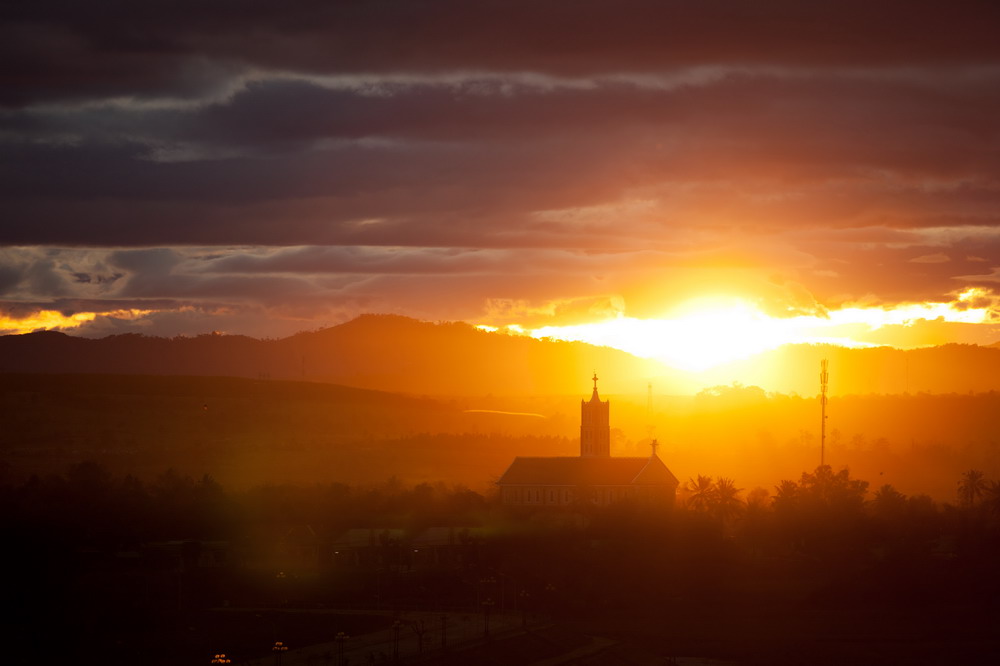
824, 381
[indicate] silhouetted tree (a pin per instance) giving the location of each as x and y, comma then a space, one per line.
971, 487
700, 493
757, 499
888, 502
991, 497
837, 490
755, 517
724, 500
822, 514
786, 494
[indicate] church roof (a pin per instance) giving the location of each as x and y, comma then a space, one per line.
587, 471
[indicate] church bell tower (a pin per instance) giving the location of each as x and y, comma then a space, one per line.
595, 428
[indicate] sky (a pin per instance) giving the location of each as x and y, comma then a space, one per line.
175, 168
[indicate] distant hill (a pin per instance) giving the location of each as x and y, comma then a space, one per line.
246, 432
402, 355
383, 352
207, 389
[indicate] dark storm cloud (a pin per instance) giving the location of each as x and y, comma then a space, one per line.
423, 261
361, 260
71, 306
163, 273
436, 165
309, 160
281, 113
452, 187
155, 261
10, 276
311, 281
66, 49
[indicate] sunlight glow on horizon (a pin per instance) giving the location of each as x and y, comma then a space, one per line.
705, 334
47, 320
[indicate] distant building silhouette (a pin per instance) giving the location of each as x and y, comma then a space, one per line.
595, 477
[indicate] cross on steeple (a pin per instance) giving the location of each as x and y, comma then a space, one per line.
595, 380
654, 444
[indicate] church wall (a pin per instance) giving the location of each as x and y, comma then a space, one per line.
539, 495
543, 495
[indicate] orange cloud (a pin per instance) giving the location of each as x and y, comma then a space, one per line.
55, 320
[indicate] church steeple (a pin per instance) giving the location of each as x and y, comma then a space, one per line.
595, 428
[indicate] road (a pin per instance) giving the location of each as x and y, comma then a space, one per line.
459, 630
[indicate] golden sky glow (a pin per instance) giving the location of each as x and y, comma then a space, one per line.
52, 319
583, 171
704, 333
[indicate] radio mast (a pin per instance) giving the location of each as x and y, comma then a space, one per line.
824, 381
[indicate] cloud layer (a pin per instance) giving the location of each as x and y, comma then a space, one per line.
266, 167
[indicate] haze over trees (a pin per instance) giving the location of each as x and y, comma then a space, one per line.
247, 432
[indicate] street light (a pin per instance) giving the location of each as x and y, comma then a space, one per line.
483, 590
487, 605
525, 595
395, 641
340, 638
419, 628
282, 587
278, 648
221, 659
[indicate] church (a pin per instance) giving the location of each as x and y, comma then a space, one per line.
595, 477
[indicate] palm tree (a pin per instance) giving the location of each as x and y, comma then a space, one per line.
700, 492
888, 502
726, 503
971, 487
786, 495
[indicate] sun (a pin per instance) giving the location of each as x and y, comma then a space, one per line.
699, 335
706, 332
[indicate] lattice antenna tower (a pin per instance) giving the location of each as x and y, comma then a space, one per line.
824, 382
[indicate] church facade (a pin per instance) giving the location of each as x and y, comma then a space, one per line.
595, 476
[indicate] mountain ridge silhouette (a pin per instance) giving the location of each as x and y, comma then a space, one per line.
380, 352
398, 354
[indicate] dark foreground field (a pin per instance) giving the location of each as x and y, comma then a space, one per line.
121, 560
